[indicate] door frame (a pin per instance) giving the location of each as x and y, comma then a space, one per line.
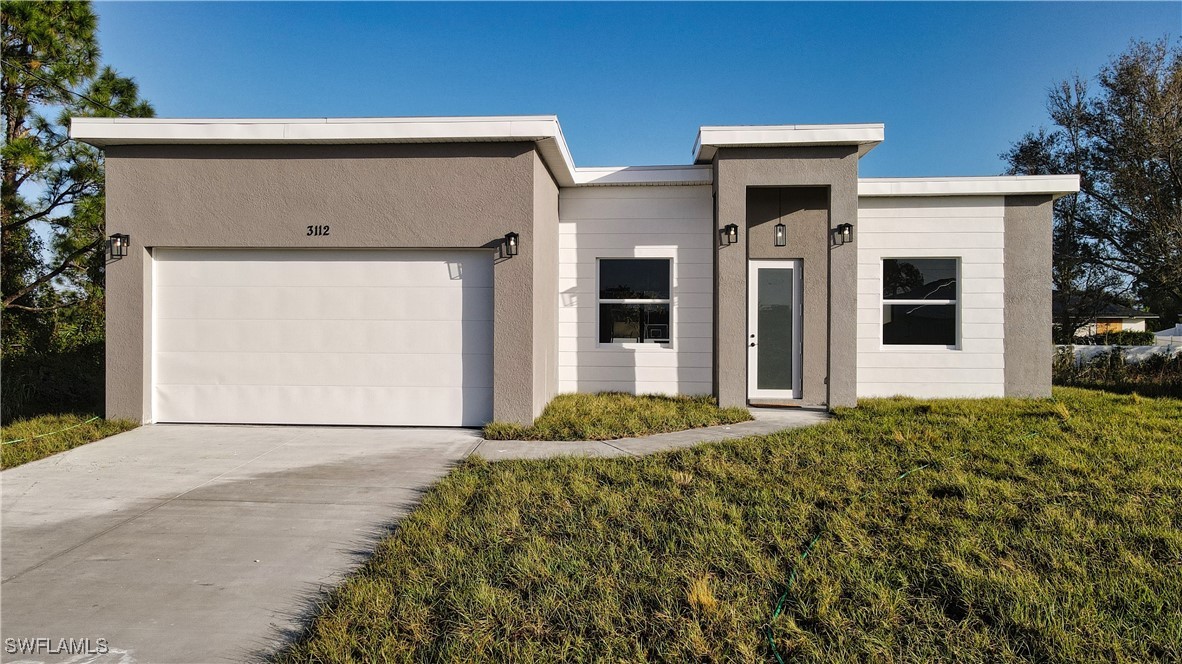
754, 392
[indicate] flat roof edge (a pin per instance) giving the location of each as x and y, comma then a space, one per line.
711, 137
643, 176
544, 130
117, 131
546, 133
996, 185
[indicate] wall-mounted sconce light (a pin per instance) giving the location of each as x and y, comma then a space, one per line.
842, 234
781, 235
728, 234
117, 245
512, 240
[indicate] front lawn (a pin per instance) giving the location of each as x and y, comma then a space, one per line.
610, 415
1041, 531
39, 437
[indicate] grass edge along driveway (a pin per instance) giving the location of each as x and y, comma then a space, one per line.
1057, 536
39, 437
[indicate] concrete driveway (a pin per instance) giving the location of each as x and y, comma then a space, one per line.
178, 543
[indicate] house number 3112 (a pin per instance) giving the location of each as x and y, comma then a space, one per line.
317, 230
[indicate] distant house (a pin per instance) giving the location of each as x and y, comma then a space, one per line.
1108, 317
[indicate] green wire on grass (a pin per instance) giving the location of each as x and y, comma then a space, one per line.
51, 433
771, 639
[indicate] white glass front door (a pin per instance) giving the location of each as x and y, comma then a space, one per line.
773, 330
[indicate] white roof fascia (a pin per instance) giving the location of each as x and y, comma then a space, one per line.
1000, 185
644, 175
710, 138
541, 129
546, 133
544, 130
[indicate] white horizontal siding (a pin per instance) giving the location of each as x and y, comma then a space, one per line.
629, 385
641, 222
927, 391
657, 246
970, 229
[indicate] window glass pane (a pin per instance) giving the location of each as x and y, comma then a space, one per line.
919, 324
634, 279
774, 321
633, 323
919, 279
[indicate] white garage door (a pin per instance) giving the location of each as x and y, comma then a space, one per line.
281, 336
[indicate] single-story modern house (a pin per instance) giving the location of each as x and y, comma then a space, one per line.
453, 270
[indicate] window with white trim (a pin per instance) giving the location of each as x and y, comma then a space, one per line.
919, 301
634, 300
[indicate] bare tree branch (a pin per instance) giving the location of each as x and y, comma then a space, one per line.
55, 307
66, 264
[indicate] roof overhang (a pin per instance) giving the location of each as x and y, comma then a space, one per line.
1000, 185
710, 139
542, 130
546, 133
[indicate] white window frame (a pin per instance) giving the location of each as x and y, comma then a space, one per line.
635, 345
883, 301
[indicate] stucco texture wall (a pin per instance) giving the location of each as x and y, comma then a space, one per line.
1028, 343
545, 337
804, 212
834, 169
372, 196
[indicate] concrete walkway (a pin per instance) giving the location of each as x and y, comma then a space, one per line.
767, 420
191, 543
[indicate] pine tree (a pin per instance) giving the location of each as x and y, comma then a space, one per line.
51, 198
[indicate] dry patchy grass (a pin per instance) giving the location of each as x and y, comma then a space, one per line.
1043, 530
46, 435
610, 415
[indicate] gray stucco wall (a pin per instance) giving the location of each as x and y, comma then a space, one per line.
834, 168
805, 214
545, 287
373, 196
1028, 344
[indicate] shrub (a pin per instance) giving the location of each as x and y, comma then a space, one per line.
62, 382
1159, 374
1122, 338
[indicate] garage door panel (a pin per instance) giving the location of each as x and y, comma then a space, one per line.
298, 267
406, 406
393, 337
297, 336
357, 369
323, 303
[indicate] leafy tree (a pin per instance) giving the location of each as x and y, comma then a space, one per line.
901, 277
51, 199
1123, 231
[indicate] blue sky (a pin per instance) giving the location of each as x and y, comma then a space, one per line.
955, 83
